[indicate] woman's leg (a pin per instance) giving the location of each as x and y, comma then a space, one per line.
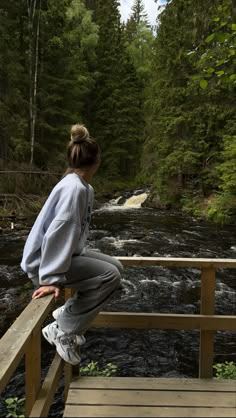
95, 276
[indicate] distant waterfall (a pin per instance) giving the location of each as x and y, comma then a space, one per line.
132, 202
135, 201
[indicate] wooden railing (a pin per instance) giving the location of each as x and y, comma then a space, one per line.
24, 336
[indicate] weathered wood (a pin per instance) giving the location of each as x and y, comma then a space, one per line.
32, 371
164, 321
150, 398
69, 370
111, 411
46, 394
153, 383
13, 343
67, 378
178, 262
206, 353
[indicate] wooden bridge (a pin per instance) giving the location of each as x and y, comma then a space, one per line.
129, 396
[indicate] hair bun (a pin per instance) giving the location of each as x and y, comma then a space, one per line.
79, 133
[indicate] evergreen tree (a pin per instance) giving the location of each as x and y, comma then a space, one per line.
138, 13
184, 144
115, 106
13, 81
68, 40
46, 72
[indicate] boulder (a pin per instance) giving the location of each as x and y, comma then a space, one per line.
153, 201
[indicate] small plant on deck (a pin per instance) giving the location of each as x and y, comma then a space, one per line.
92, 369
14, 407
226, 370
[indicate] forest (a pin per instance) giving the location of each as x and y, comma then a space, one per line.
159, 100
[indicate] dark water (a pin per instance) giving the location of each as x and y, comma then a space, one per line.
144, 232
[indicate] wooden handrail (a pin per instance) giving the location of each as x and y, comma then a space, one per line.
179, 262
24, 336
18, 338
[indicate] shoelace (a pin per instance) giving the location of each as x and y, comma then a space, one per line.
70, 341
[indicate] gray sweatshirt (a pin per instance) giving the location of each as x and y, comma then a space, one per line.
59, 232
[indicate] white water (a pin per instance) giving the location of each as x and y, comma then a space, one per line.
133, 202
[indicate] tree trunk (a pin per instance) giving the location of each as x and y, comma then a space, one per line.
33, 70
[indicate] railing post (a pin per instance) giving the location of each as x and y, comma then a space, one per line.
69, 370
208, 283
32, 371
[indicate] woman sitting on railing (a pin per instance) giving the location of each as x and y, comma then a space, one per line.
55, 252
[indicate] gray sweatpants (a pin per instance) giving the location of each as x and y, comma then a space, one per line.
95, 276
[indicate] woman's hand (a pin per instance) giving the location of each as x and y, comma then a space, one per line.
46, 290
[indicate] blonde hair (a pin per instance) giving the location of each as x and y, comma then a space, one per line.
82, 150
79, 132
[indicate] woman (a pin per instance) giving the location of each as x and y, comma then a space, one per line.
55, 252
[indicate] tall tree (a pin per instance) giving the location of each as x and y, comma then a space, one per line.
34, 11
13, 79
184, 141
115, 106
47, 53
138, 12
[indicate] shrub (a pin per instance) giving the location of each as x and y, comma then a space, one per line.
226, 370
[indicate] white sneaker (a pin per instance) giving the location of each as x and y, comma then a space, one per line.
66, 344
57, 313
50, 333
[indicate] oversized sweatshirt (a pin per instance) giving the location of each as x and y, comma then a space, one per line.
59, 232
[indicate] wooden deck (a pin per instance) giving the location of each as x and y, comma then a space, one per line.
150, 397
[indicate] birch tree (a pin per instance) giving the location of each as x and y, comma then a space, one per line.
34, 32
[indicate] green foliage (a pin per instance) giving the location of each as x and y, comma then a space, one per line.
92, 369
216, 53
165, 102
226, 370
14, 407
189, 145
67, 41
223, 208
115, 105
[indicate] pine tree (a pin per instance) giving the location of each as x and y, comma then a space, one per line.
67, 43
184, 142
46, 73
138, 13
115, 106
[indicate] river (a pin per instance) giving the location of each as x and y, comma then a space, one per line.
130, 230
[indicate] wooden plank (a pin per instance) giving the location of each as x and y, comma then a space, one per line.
153, 383
143, 411
178, 262
206, 352
67, 379
150, 398
163, 321
69, 370
49, 387
14, 341
32, 371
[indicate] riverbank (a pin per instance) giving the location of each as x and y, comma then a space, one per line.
16, 207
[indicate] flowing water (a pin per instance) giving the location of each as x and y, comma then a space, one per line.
131, 230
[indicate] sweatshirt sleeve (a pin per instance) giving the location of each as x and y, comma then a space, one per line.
58, 246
